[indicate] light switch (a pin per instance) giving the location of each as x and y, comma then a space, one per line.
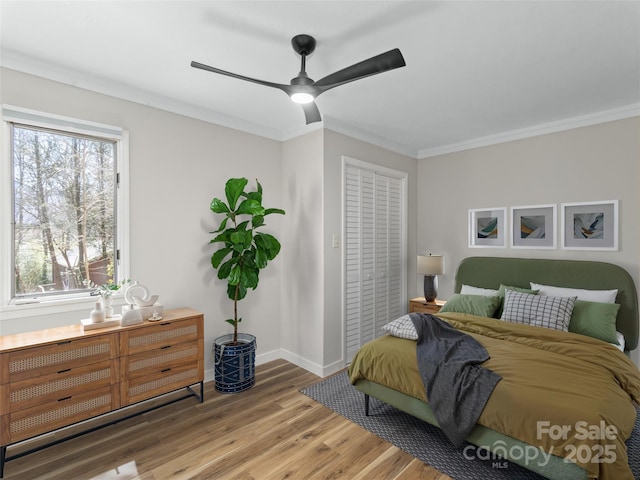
336, 240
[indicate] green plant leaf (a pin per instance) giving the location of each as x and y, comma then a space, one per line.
222, 226
225, 269
261, 258
242, 292
242, 226
231, 321
249, 277
257, 196
268, 211
223, 237
250, 207
218, 206
268, 243
241, 239
231, 292
218, 256
235, 274
233, 189
257, 221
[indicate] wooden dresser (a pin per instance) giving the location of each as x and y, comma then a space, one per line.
57, 377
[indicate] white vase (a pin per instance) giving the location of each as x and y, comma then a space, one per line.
106, 306
97, 314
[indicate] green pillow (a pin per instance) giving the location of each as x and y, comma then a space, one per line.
515, 289
595, 319
479, 305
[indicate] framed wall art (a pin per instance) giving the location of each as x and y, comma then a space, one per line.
534, 226
590, 225
487, 227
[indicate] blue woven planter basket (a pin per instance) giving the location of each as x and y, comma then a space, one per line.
234, 364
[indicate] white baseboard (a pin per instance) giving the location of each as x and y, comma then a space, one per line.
319, 370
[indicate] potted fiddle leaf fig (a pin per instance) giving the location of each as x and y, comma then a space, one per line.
244, 252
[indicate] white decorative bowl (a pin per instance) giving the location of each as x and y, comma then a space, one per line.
145, 302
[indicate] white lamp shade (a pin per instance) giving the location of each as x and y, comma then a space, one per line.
431, 264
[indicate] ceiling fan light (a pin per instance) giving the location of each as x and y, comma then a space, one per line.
302, 97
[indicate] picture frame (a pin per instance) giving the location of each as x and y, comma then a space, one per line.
534, 226
487, 227
590, 225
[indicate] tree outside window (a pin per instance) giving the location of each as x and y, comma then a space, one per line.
64, 190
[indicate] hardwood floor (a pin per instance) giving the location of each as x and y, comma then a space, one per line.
268, 432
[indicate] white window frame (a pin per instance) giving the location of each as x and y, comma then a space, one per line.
9, 309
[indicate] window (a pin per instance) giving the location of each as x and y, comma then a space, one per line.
67, 224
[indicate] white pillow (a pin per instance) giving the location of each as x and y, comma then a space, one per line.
401, 327
485, 292
603, 296
620, 338
537, 310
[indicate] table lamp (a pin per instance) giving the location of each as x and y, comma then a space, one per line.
430, 266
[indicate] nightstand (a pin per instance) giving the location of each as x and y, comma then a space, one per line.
420, 305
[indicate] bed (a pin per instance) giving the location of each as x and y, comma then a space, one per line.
585, 386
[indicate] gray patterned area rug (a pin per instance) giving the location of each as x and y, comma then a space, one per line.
427, 442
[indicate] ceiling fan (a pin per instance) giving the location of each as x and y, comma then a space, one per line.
304, 90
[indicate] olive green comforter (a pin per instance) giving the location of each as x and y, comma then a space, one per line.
568, 394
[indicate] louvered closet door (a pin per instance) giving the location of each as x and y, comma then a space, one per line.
389, 271
374, 271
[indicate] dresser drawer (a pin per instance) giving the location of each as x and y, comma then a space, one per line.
155, 361
37, 361
160, 335
171, 378
65, 411
420, 305
65, 383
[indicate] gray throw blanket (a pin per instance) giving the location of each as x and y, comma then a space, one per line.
457, 386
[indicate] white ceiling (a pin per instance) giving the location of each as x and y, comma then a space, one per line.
477, 72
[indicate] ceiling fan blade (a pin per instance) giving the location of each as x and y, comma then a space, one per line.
378, 64
285, 88
311, 112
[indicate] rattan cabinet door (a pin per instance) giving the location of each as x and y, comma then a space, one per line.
36, 361
49, 416
167, 380
32, 392
159, 335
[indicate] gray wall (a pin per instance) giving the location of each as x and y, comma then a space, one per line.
302, 282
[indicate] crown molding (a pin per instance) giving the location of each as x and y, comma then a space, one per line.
604, 116
339, 126
52, 71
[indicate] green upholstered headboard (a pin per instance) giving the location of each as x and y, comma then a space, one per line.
490, 272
